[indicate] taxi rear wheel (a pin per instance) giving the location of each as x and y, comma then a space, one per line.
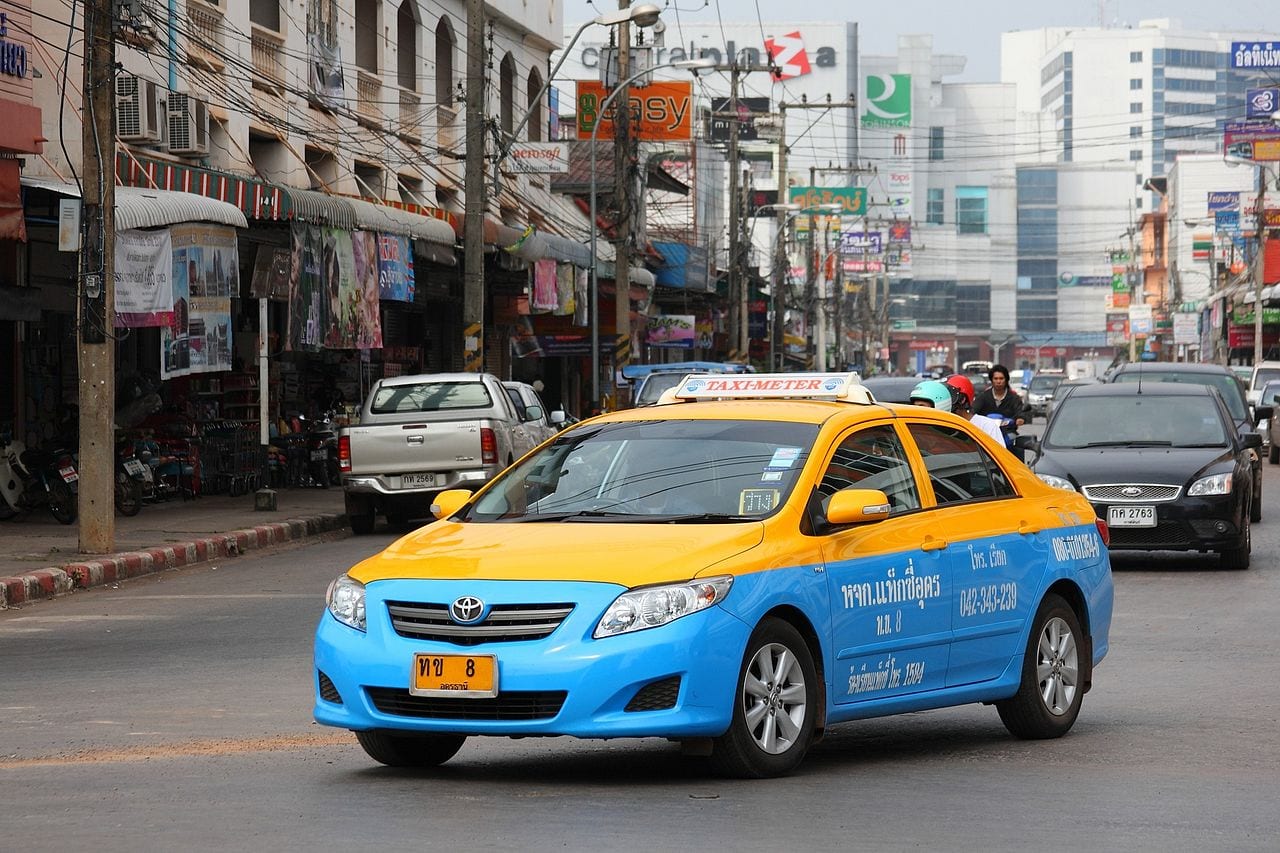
775, 706
1048, 700
396, 750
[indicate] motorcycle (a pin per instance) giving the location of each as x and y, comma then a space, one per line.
1009, 429
133, 479
32, 477
322, 451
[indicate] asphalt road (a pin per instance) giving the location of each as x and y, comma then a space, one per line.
173, 713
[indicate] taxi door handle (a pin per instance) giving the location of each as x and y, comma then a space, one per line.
1028, 529
932, 544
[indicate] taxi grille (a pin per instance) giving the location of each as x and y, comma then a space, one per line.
509, 705
1147, 492
505, 623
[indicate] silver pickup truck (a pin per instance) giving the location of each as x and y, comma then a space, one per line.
419, 435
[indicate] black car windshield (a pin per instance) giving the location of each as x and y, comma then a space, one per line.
1138, 419
672, 471
1043, 384
1227, 384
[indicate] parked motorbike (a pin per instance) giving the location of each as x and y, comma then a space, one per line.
322, 450
32, 477
133, 479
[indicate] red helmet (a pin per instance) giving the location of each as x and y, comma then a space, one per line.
961, 383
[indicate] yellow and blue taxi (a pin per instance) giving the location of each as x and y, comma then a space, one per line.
754, 559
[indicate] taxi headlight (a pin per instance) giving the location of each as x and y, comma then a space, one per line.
652, 606
1056, 482
345, 599
1217, 484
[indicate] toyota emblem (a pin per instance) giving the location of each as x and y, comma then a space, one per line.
1131, 491
466, 610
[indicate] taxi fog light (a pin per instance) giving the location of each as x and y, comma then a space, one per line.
1217, 484
650, 607
345, 599
1056, 482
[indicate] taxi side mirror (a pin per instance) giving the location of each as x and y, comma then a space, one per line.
450, 501
857, 506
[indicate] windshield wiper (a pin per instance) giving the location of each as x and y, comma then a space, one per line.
714, 517
582, 513
1205, 444
1131, 443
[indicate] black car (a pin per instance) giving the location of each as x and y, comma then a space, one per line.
891, 389
1233, 393
1162, 464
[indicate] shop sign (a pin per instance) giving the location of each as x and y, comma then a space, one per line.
1244, 316
1241, 337
1221, 200
1261, 103
1186, 328
723, 115
900, 232
1251, 140
13, 56
395, 268
863, 265
852, 200
866, 242
671, 331
144, 284
1140, 320
904, 325
540, 157
333, 289
664, 110
888, 101
1253, 54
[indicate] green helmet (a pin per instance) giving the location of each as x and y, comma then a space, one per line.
936, 393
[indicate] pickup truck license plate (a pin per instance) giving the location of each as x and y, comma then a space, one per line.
1131, 516
454, 675
410, 481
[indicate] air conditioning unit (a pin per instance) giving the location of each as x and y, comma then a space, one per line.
188, 125
140, 106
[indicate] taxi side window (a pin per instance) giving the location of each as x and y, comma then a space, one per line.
959, 468
872, 458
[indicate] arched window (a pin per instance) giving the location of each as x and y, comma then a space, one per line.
507, 94
367, 35
536, 118
407, 45
444, 62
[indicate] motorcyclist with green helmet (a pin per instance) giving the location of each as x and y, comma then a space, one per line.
933, 394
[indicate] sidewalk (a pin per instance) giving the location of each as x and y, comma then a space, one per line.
39, 558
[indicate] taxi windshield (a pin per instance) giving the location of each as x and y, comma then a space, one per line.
655, 470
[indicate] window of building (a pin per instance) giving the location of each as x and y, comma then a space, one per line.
366, 21
872, 459
935, 143
959, 468
973, 306
265, 13
444, 62
410, 187
1037, 186
1037, 314
971, 210
407, 45
1135, 131
533, 93
507, 94
1135, 83
1037, 231
1135, 56
1184, 58
1179, 84
369, 180
322, 168
1135, 108
1139, 179
1135, 154
934, 206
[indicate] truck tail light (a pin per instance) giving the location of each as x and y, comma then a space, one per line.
488, 446
344, 453
1104, 532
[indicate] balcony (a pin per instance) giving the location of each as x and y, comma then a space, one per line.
411, 116
268, 59
368, 99
205, 45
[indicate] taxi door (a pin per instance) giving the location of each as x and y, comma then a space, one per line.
998, 548
889, 581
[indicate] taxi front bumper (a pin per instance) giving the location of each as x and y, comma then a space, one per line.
677, 680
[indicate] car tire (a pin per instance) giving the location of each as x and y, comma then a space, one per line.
1052, 689
360, 513
1237, 559
1273, 455
777, 683
362, 524
396, 750
1255, 505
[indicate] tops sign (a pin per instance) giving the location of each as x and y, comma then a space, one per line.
660, 111
13, 57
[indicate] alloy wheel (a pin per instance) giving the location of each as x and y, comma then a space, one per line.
1057, 666
774, 698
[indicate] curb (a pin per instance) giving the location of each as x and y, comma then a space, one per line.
59, 580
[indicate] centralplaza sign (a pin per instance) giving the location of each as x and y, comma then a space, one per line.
788, 53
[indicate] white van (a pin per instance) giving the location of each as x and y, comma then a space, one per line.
1081, 369
1263, 372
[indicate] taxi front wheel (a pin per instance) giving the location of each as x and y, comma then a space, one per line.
1048, 700
396, 750
774, 708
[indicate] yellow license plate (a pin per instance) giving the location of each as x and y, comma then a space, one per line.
454, 675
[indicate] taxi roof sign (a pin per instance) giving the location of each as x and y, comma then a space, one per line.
769, 386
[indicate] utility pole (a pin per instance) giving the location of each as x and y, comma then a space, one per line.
810, 275
622, 160
737, 298
782, 274
1259, 264
476, 200
97, 285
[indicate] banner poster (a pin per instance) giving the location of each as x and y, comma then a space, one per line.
341, 296
206, 273
671, 331
365, 253
395, 268
144, 278
306, 287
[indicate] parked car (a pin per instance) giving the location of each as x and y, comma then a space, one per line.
1270, 396
1163, 464
891, 389
538, 424
419, 435
1040, 391
1233, 393
1065, 387
737, 575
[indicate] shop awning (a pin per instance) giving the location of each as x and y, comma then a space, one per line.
322, 209
258, 199
390, 220
145, 208
541, 244
436, 253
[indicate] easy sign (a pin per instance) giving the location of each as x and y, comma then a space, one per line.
659, 111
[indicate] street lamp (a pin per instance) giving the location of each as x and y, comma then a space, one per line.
644, 15
622, 278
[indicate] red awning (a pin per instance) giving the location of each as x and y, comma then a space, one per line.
12, 224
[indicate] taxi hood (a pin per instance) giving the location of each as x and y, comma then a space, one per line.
632, 554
